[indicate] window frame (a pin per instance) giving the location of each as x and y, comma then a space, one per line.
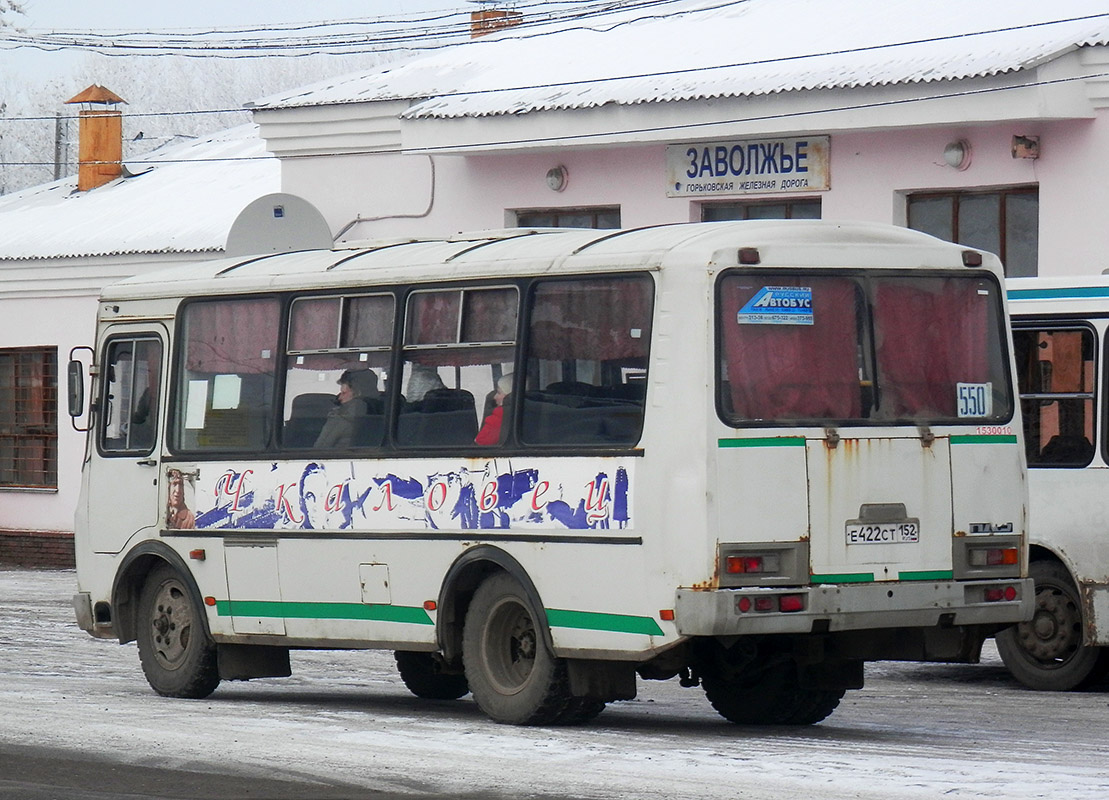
1098, 383
745, 206
594, 212
1003, 192
389, 447
868, 352
19, 434
101, 447
174, 427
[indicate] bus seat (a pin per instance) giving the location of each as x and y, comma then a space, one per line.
570, 393
442, 417
1066, 449
306, 419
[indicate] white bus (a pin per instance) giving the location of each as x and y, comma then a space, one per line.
538, 464
1059, 334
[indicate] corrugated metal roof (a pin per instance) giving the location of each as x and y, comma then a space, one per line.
700, 49
180, 198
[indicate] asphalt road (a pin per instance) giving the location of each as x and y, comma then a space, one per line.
77, 721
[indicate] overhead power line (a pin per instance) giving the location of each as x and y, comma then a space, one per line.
335, 37
675, 128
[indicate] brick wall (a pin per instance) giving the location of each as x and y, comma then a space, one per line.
50, 549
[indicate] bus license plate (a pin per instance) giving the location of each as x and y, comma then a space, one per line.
883, 532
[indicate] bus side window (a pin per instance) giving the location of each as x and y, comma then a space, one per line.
129, 418
588, 346
457, 344
336, 341
225, 399
1055, 374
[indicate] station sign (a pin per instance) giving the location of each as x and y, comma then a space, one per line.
749, 166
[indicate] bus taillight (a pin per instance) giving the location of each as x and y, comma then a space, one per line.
993, 556
752, 565
786, 603
997, 594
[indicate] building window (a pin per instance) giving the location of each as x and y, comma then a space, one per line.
802, 208
29, 418
600, 217
1005, 222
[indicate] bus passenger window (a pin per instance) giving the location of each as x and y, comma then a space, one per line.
588, 343
458, 344
1055, 375
225, 397
129, 423
338, 366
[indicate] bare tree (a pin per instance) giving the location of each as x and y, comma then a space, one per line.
167, 97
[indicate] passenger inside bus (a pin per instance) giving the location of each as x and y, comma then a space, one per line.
357, 389
490, 432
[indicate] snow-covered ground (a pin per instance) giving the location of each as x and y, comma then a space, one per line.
916, 731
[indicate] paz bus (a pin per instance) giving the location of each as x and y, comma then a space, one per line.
749, 455
1059, 335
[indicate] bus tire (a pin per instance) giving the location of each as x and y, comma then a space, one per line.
774, 698
177, 655
1047, 653
513, 676
424, 676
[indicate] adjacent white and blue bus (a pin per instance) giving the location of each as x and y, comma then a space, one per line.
541, 464
1060, 333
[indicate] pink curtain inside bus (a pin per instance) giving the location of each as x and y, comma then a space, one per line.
233, 336
599, 320
930, 335
778, 367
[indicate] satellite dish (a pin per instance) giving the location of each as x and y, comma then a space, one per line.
278, 223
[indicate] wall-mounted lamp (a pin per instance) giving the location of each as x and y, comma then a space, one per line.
957, 154
557, 178
1026, 147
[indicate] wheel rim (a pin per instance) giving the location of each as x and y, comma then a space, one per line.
171, 623
509, 646
1054, 634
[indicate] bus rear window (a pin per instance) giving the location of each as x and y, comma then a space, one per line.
852, 349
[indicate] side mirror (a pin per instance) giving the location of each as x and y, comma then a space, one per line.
76, 383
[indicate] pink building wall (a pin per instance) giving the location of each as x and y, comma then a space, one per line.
872, 172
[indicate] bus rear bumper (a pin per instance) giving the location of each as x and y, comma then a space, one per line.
845, 607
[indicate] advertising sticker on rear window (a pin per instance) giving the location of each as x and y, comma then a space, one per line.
778, 305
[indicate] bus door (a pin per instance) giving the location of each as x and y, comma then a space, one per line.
129, 424
879, 507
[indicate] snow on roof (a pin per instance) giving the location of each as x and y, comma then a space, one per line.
699, 49
180, 198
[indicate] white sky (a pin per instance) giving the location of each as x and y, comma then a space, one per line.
156, 15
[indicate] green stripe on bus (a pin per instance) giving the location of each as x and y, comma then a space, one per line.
1058, 294
975, 438
597, 621
776, 441
360, 611
849, 577
927, 575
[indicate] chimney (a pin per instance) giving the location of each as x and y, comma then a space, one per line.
491, 20
100, 136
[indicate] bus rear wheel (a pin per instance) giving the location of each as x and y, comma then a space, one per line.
773, 698
512, 673
177, 656
424, 675
1047, 653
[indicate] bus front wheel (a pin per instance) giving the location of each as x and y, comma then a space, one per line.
511, 672
1047, 653
177, 656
